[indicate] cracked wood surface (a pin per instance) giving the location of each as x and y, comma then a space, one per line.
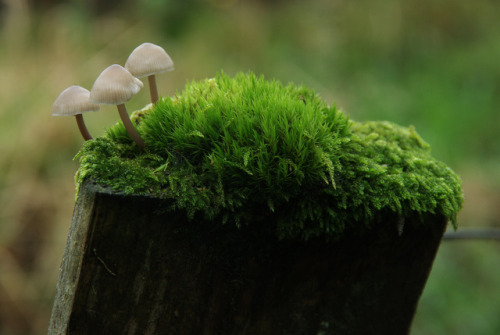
131, 268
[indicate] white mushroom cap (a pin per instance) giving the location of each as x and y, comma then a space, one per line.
114, 86
73, 101
148, 59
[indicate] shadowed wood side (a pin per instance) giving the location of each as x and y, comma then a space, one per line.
128, 268
69, 273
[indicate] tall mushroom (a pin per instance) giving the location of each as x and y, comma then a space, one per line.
148, 60
115, 86
74, 101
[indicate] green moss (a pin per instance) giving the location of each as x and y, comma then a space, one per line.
245, 150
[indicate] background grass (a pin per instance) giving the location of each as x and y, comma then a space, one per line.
433, 64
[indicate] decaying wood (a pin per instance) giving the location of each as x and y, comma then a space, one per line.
131, 268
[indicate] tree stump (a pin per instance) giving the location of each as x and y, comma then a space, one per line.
131, 268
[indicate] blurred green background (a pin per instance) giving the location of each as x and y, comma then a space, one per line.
433, 64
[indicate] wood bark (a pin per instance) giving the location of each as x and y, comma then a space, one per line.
131, 268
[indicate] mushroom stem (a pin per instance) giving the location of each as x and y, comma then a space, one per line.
83, 129
129, 126
153, 89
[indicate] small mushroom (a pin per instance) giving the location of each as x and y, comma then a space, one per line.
115, 86
74, 101
147, 60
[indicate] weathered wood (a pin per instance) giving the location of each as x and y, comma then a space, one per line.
128, 268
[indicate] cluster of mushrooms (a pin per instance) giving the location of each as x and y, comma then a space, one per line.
115, 86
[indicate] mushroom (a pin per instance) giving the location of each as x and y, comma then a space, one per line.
74, 101
148, 60
115, 86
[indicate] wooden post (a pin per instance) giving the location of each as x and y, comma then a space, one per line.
131, 268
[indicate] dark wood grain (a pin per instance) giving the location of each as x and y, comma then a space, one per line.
130, 268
